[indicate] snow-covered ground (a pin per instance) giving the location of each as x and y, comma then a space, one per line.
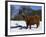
40, 29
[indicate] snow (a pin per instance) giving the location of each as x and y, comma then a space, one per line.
40, 29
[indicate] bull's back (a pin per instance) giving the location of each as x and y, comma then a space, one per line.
36, 19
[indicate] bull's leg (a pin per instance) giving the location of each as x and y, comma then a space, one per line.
30, 26
37, 25
27, 26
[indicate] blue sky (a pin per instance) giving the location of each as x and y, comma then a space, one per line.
36, 7
15, 8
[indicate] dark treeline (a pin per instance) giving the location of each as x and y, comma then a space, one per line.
27, 11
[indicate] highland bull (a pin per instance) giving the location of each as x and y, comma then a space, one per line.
32, 20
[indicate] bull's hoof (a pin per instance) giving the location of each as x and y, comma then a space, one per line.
36, 27
30, 28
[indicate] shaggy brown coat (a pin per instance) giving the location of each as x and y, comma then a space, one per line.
31, 20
